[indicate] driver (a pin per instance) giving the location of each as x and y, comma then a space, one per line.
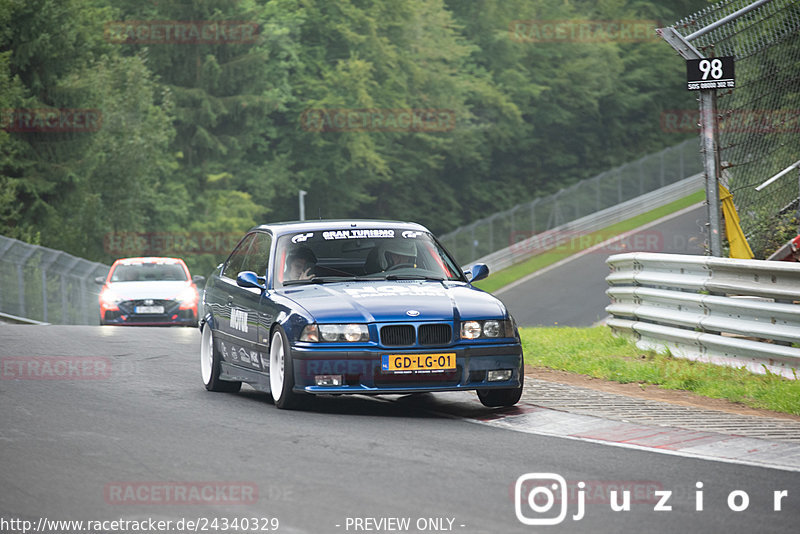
398, 252
300, 264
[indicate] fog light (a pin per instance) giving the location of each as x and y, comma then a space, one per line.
328, 380
499, 376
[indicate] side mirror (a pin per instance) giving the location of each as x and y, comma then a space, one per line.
198, 279
100, 280
251, 279
479, 271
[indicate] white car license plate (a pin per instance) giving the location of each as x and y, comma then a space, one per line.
149, 309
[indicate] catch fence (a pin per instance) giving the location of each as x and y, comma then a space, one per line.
507, 228
46, 285
758, 121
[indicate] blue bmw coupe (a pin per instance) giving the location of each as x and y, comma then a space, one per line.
354, 306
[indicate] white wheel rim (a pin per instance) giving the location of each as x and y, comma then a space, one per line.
206, 354
276, 363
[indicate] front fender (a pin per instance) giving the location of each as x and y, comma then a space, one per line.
207, 319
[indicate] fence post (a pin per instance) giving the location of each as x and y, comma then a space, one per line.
64, 299
8, 243
21, 281
84, 309
44, 266
708, 121
472, 242
708, 132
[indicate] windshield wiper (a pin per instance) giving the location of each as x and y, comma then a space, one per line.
315, 280
412, 277
328, 280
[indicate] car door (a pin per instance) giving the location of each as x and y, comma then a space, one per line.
251, 301
238, 330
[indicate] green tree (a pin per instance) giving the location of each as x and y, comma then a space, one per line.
226, 95
124, 179
67, 189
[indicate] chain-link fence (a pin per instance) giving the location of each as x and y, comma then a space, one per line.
48, 285
759, 120
503, 229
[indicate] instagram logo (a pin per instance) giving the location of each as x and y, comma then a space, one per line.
541, 491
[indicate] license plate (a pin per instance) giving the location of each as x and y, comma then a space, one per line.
418, 362
149, 309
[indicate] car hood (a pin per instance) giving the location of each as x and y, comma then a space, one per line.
156, 290
387, 301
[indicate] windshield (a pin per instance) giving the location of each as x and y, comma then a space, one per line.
356, 254
145, 272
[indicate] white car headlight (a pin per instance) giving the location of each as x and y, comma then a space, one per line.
356, 332
494, 328
470, 330
187, 296
335, 333
109, 298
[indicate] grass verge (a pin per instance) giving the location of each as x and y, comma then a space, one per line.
505, 276
596, 352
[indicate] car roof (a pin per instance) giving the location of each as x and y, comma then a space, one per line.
147, 259
290, 227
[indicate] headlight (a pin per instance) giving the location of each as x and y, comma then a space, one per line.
356, 332
470, 330
487, 329
188, 297
335, 333
492, 329
310, 333
109, 299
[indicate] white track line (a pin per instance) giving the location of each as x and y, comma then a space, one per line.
595, 247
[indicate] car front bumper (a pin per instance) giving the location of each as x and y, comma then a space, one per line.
361, 370
171, 318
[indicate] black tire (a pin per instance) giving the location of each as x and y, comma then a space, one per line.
281, 372
496, 398
210, 365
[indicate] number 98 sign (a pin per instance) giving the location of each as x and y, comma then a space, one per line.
711, 73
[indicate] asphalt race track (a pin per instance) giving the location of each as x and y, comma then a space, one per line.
113, 423
572, 293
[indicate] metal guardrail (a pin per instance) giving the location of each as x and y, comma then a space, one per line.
742, 313
13, 319
46, 285
544, 241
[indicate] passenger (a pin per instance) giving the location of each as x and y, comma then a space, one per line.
398, 252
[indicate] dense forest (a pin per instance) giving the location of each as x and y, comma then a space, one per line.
437, 111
